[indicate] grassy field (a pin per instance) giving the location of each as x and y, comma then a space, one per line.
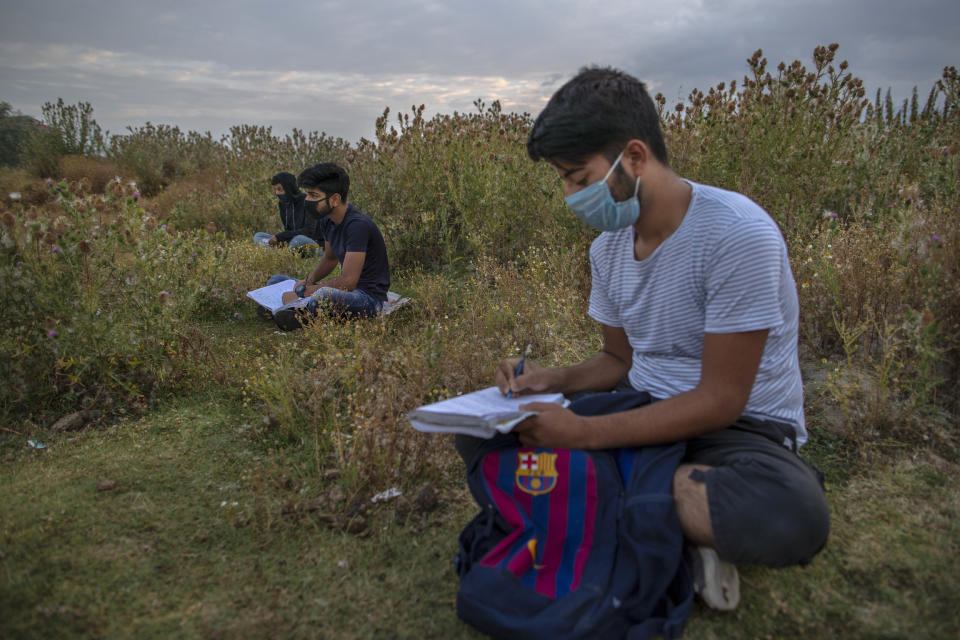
204, 475
177, 524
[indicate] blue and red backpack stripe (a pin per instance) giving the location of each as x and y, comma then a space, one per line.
552, 532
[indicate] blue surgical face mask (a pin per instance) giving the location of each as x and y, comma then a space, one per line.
595, 206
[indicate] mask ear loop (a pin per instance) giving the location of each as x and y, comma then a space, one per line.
613, 166
636, 185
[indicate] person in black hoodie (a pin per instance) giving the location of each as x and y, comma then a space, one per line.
300, 231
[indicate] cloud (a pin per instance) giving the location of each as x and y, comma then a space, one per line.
334, 65
118, 84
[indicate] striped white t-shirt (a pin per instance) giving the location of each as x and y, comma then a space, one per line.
724, 270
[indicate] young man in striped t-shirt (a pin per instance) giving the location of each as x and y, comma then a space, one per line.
698, 307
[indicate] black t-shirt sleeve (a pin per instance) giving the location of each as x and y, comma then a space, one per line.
357, 237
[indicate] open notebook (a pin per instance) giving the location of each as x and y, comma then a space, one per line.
271, 295
481, 414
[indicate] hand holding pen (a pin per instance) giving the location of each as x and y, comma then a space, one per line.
519, 369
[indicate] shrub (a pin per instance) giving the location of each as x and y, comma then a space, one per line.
67, 129
161, 154
15, 132
458, 187
104, 297
95, 173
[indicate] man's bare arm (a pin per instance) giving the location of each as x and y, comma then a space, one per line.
327, 263
349, 272
729, 367
602, 372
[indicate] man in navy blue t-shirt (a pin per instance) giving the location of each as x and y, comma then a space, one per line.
351, 240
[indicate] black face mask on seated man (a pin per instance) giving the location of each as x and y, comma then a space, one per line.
289, 183
311, 208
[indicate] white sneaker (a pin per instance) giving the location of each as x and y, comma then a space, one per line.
714, 580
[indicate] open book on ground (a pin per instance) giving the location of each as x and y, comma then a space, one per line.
271, 297
481, 414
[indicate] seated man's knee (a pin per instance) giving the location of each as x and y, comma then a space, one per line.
795, 533
767, 514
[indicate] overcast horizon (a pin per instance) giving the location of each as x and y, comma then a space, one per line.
334, 66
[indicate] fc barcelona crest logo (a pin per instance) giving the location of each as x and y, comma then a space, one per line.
536, 472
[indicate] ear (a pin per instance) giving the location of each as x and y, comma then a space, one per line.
636, 157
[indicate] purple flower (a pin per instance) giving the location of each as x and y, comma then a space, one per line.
936, 238
51, 334
834, 216
136, 195
54, 249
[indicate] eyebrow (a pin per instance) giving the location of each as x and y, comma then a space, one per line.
568, 172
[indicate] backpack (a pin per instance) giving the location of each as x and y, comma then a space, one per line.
572, 543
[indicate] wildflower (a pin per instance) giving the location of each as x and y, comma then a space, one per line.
805, 285
54, 249
936, 238
829, 215
15, 195
136, 195
52, 333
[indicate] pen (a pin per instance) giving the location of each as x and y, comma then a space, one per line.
519, 368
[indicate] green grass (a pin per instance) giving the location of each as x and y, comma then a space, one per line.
173, 525
178, 523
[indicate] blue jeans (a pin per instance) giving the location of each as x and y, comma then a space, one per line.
308, 243
335, 301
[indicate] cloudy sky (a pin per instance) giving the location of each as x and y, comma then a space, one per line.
334, 65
